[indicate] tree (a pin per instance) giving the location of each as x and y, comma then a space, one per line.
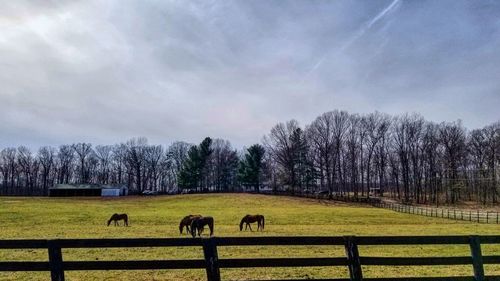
104, 156
189, 175
46, 157
251, 166
224, 164
65, 158
452, 136
205, 150
283, 145
83, 150
177, 154
135, 152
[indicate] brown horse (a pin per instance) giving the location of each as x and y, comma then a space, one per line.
117, 217
198, 224
186, 222
248, 219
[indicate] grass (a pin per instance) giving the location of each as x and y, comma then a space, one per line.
159, 217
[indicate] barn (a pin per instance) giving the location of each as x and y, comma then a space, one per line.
68, 190
111, 190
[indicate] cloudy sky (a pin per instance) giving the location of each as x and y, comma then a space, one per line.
106, 71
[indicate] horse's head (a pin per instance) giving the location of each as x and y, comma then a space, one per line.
194, 227
181, 226
241, 223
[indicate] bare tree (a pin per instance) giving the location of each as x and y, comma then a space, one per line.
82, 150
46, 157
104, 156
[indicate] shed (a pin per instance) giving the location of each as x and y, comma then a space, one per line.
114, 190
110, 192
63, 190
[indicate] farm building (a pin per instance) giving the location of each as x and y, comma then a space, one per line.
63, 190
112, 190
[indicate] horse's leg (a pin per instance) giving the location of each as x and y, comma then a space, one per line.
250, 226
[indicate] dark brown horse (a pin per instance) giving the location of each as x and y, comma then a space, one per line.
118, 217
186, 222
248, 219
198, 224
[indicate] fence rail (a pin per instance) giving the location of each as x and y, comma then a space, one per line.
454, 214
212, 264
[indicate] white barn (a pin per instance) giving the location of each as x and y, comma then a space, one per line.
114, 191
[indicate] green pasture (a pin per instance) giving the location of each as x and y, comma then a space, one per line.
44, 218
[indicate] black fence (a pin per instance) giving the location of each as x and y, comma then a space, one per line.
212, 264
454, 214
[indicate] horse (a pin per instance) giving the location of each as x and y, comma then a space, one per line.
198, 224
117, 217
186, 222
248, 219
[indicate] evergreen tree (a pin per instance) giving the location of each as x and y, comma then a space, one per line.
194, 173
189, 175
251, 166
205, 150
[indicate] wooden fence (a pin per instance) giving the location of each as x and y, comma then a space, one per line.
454, 214
212, 264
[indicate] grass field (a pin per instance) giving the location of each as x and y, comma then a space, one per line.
159, 217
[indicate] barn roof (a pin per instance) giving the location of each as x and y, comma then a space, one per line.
86, 186
76, 186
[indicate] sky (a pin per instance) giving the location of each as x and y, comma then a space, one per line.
107, 71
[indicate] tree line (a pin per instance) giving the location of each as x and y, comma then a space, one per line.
213, 165
405, 157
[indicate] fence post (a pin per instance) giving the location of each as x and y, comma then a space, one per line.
478, 216
477, 258
354, 263
55, 261
211, 259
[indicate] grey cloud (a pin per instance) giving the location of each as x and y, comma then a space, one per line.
181, 70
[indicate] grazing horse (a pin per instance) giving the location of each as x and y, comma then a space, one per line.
248, 219
117, 217
186, 222
198, 224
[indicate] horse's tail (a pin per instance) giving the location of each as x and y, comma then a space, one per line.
242, 222
181, 227
263, 222
211, 226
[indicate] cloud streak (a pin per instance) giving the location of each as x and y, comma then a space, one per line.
358, 34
